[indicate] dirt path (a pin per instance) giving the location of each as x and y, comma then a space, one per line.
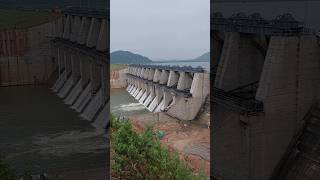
190, 139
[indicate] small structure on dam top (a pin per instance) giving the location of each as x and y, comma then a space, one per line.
81, 49
178, 91
264, 101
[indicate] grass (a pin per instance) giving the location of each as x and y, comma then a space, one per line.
141, 156
115, 67
11, 19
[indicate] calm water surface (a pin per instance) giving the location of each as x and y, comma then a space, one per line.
40, 133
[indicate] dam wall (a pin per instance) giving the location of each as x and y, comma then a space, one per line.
265, 85
25, 55
178, 91
81, 49
118, 79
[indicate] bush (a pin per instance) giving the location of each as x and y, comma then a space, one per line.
141, 156
6, 173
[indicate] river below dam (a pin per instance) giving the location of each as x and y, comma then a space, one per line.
39, 133
123, 104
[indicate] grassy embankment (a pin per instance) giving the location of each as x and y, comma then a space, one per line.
11, 19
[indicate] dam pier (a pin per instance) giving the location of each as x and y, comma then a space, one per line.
178, 91
81, 50
265, 98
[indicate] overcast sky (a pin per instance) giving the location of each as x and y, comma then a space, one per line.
166, 29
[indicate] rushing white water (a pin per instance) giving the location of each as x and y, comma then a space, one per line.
93, 106
66, 88
83, 99
74, 93
70, 142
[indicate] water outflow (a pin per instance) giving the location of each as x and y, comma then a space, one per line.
74, 93
94, 105
83, 99
179, 91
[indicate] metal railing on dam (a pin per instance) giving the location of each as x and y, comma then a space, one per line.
178, 91
282, 25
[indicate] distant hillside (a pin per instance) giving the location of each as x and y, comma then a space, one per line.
126, 57
204, 57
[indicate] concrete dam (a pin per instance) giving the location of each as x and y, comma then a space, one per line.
178, 91
265, 98
25, 56
80, 47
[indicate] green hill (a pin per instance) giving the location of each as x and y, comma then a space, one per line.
126, 57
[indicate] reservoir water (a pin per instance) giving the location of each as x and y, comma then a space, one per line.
38, 132
205, 64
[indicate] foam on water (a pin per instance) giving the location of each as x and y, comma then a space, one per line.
70, 142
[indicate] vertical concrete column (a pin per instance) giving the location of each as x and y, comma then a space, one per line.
61, 60
278, 90
85, 70
150, 97
84, 30
75, 65
241, 61
157, 75
168, 97
103, 40
104, 79
146, 73
8, 41
93, 32
173, 79
142, 72
309, 74
75, 28
145, 94
67, 27
151, 74
164, 77
185, 81
4, 44
200, 87
67, 57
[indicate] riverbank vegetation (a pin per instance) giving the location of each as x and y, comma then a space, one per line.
141, 156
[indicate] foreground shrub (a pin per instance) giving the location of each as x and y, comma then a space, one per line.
141, 156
